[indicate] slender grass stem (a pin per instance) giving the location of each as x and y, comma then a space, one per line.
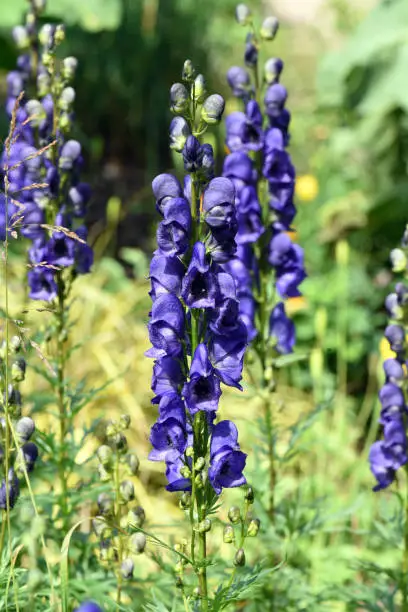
61, 399
404, 585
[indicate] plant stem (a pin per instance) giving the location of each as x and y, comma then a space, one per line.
3, 531
117, 515
61, 399
404, 585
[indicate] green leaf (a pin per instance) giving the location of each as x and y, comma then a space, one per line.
285, 360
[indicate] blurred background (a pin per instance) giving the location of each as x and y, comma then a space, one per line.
346, 70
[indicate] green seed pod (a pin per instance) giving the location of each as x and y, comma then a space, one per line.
204, 526
138, 542
243, 14
178, 98
269, 28
253, 528
250, 495
199, 89
239, 559
213, 109
127, 568
188, 71
105, 455
105, 504
398, 260
234, 514
228, 535
136, 517
126, 491
124, 421
133, 463
185, 501
199, 464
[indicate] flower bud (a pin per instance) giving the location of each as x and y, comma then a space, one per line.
43, 84
136, 517
398, 260
104, 476
36, 112
21, 37
70, 153
185, 501
213, 109
234, 514
112, 428
105, 504
127, 491
228, 535
138, 542
46, 35
179, 132
188, 71
67, 98
124, 421
39, 5
69, 66
272, 70
127, 568
204, 526
250, 495
199, 464
189, 451
18, 370
101, 529
133, 463
269, 28
26, 458
239, 559
105, 455
24, 429
185, 472
15, 343
251, 51
253, 528
118, 442
178, 98
243, 14
59, 33
199, 90
198, 481
342, 253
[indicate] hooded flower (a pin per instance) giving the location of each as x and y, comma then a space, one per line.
227, 461
202, 391
199, 288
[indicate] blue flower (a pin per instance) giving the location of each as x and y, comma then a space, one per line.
199, 288
202, 391
42, 284
227, 461
282, 330
89, 606
168, 435
166, 326
173, 234
166, 274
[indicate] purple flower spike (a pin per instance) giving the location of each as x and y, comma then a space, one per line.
169, 436
219, 204
199, 289
173, 233
202, 391
381, 466
166, 274
166, 327
227, 461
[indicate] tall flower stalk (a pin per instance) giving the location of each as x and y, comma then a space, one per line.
48, 200
198, 339
389, 455
268, 266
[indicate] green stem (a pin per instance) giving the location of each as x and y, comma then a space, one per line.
404, 586
3, 531
61, 399
117, 516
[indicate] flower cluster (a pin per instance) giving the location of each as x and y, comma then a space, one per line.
16, 430
264, 178
389, 454
46, 199
198, 339
119, 517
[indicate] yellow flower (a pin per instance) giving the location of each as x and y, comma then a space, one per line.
296, 304
385, 350
307, 187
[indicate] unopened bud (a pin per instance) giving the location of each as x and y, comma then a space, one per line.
69, 66
398, 260
21, 37
179, 132
213, 109
136, 517
118, 442
188, 71
234, 514
127, 568
185, 472
104, 476
199, 89
133, 463
250, 495
138, 542
243, 14
127, 491
269, 28
124, 421
342, 253
185, 501
178, 98
36, 112
253, 528
272, 70
189, 451
15, 343
59, 33
24, 429
67, 98
228, 535
199, 464
112, 428
204, 526
239, 559
105, 455
101, 529
105, 504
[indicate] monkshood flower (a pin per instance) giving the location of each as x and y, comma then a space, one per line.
198, 339
388, 455
89, 606
264, 179
43, 163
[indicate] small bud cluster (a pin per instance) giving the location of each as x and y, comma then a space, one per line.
46, 198
16, 430
240, 527
391, 453
119, 518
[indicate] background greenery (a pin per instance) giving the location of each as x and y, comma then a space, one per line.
349, 98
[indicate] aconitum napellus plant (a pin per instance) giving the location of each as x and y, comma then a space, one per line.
268, 267
197, 335
388, 455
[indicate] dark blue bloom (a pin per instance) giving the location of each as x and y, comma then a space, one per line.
42, 284
244, 130
227, 461
202, 391
239, 81
219, 204
392, 401
275, 99
176, 481
250, 226
287, 258
166, 326
199, 288
395, 335
226, 355
89, 606
166, 274
10, 492
282, 330
251, 51
168, 435
381, 466
168, 377
165, 186
394, 371
192, 154
173, 234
